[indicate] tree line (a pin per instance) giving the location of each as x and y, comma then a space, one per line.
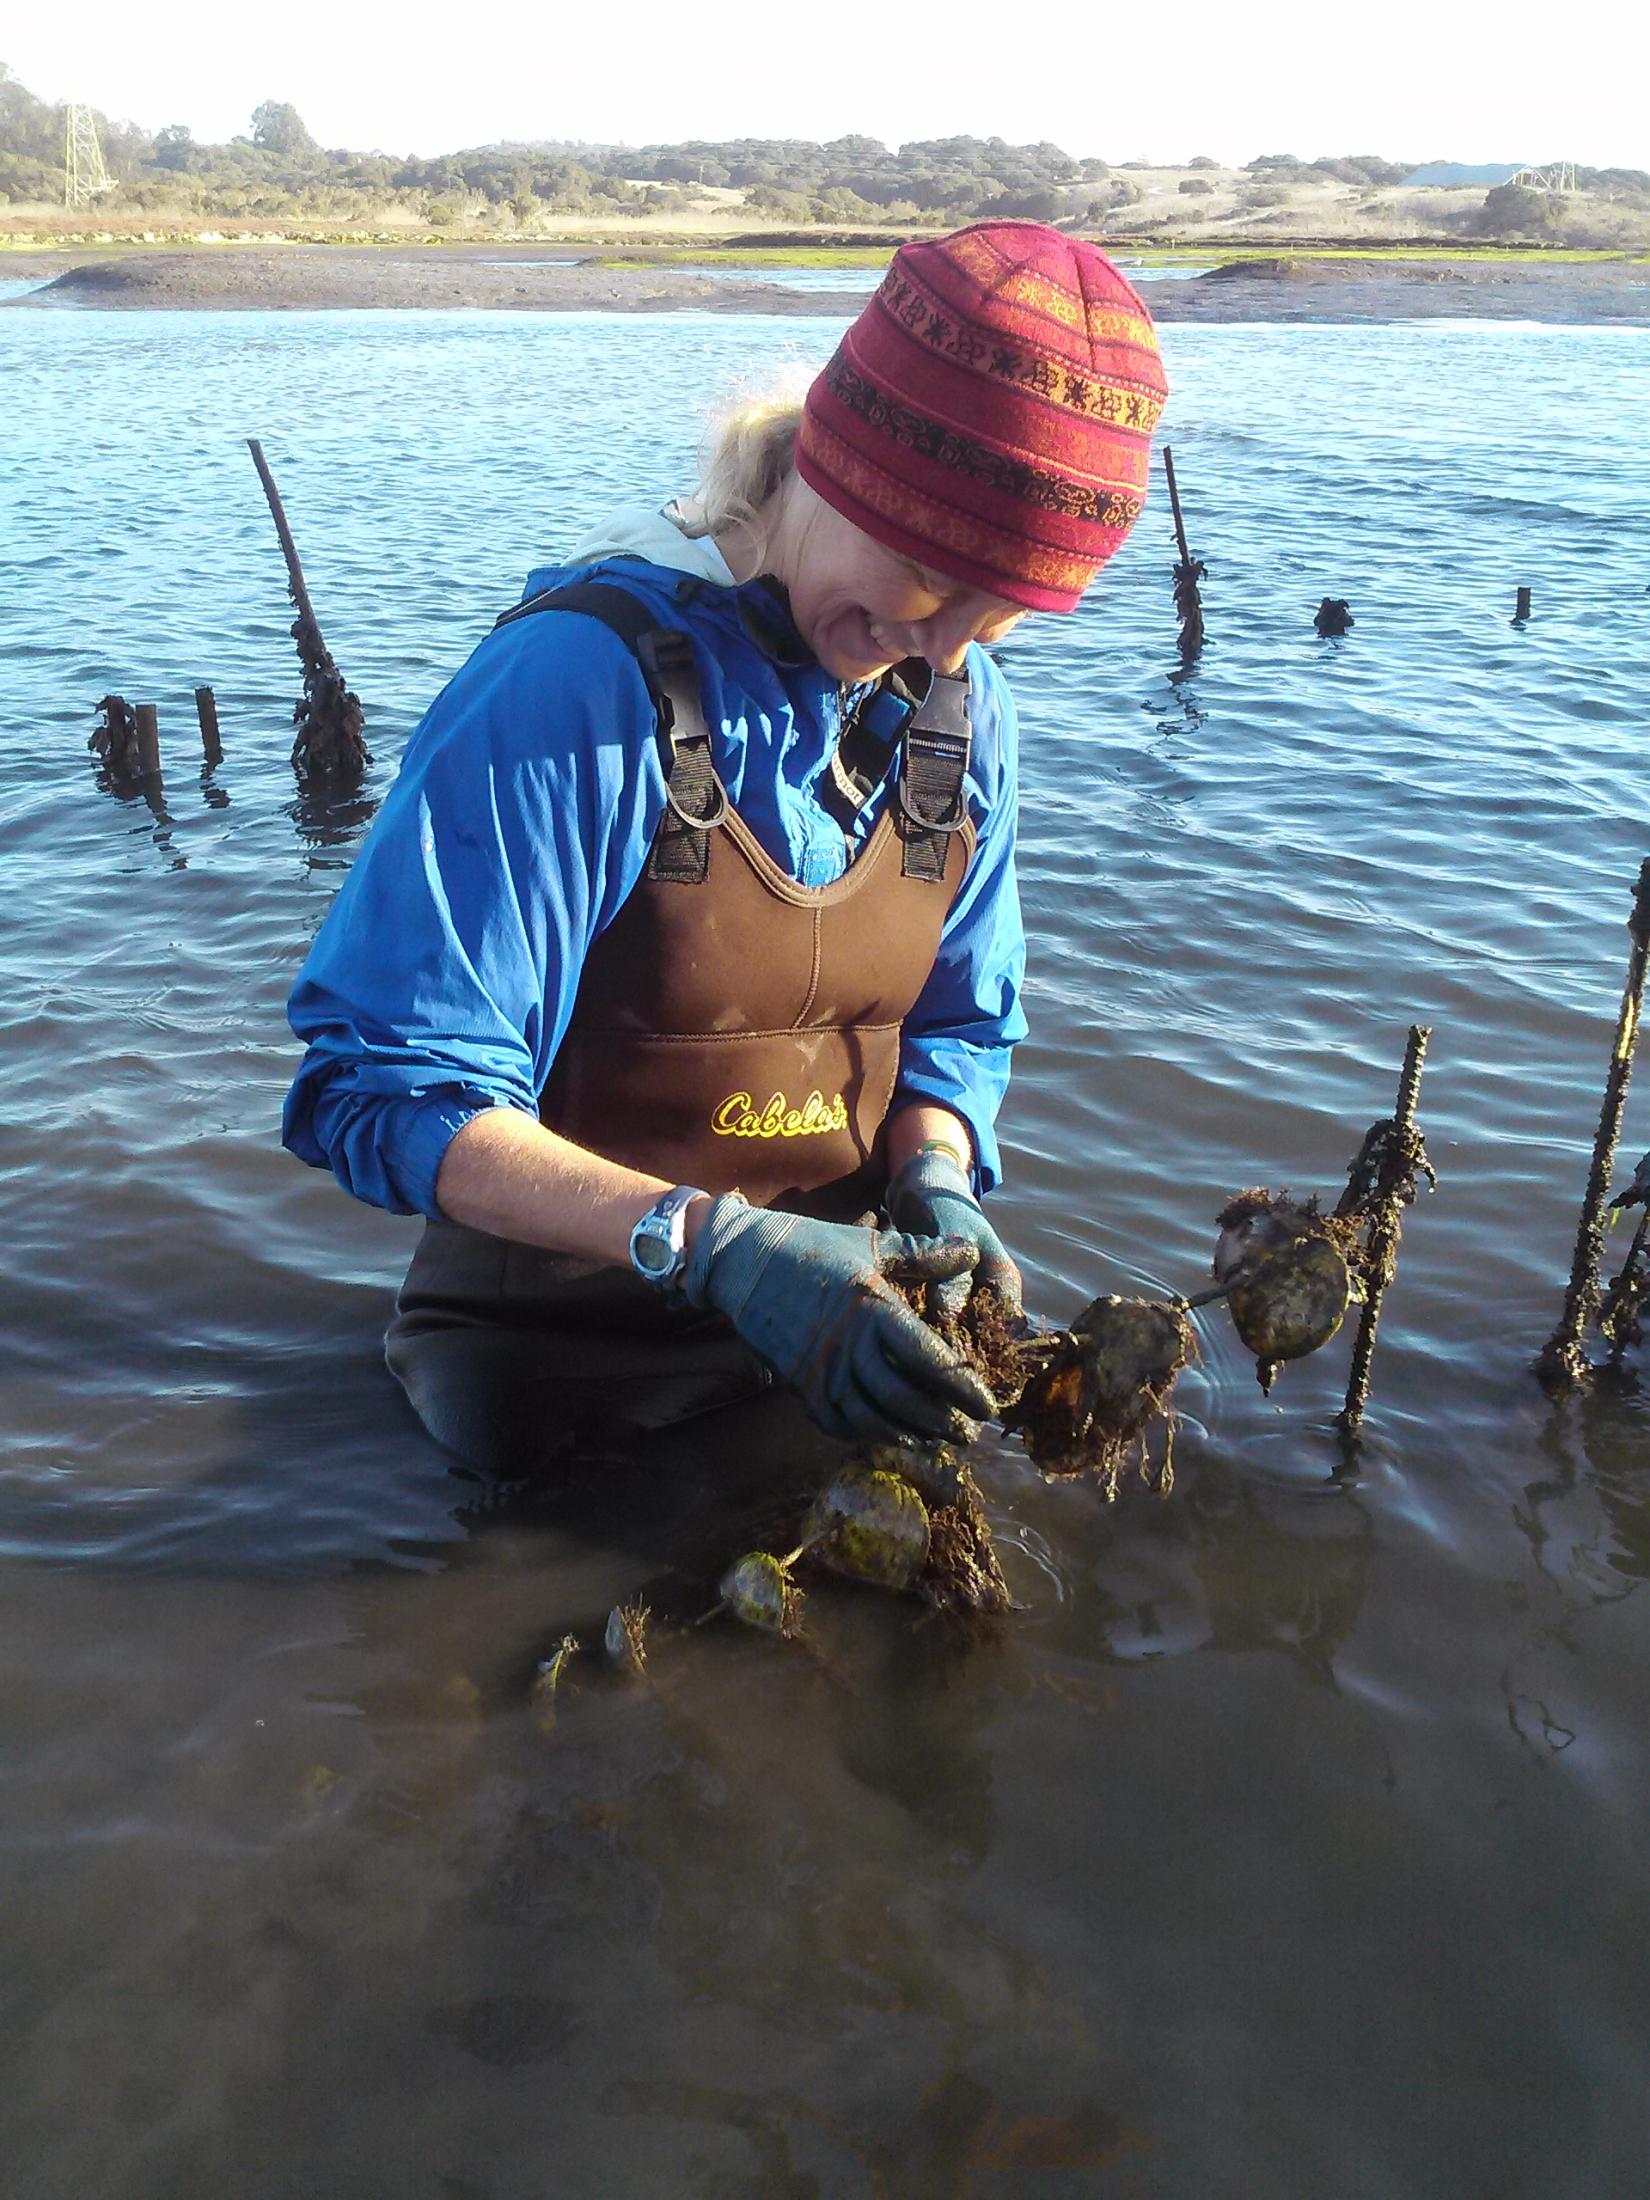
278, 170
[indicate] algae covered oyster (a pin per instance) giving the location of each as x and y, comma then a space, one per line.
959, 1577
758, 1589
1100, 1384
1284, 1268
870, 1525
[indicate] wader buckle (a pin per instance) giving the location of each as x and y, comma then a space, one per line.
931, 789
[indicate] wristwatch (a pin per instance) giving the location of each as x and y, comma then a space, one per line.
657, 1244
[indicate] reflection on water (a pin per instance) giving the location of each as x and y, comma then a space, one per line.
1296, 1820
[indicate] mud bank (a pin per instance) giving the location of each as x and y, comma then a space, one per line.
298, 279
321, 277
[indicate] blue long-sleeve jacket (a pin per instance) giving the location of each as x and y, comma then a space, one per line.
529, 794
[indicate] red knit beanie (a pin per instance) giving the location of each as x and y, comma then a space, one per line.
990, 412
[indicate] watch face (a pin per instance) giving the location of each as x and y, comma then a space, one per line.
652, 1253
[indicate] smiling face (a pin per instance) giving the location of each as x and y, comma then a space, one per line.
862, 607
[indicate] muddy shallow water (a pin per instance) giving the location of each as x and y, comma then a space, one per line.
1293, 1839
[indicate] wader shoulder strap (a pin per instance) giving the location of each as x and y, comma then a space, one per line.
865, 748
696, 802
925, 715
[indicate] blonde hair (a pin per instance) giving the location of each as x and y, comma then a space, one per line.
748, 455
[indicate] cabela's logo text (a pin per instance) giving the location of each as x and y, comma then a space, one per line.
739, 1117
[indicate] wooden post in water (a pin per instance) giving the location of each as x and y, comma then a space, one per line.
1395, 1190
1188, 603
148, 738
206, 709
1562, 1361
1523, 608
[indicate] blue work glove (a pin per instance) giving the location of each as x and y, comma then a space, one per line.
931, 1195
814, 1299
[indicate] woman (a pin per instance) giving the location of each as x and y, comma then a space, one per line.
688, 939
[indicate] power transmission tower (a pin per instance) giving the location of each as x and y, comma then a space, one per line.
1560, 177
84, 175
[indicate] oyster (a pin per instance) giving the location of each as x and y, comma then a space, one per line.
870, 1526
758, 1589
1100, 1384
1286, 1276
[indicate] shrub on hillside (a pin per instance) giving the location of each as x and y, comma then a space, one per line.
1514, 210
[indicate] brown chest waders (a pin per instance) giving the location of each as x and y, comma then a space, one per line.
732, 1029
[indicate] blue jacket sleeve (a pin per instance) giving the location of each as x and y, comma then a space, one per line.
444, 975
959, 1038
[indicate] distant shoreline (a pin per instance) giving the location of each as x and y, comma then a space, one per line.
550, 279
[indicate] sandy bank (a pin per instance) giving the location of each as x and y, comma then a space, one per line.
315, 277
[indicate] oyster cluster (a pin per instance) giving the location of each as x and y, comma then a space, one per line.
895, 1517
1100, 1386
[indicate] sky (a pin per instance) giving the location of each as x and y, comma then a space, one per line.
1414, 79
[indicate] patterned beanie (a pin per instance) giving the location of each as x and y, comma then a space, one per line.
990, 412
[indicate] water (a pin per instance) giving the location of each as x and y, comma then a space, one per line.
1294, 1840
1149, 271
860, 280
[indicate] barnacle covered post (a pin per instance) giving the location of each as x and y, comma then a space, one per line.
1188, 604
1620, 1317
1562, 1361
1397, 1155
114, 739
328, 715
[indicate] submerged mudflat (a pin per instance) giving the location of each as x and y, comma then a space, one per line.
525, 279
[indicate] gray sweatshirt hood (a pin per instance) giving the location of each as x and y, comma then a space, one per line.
658, 534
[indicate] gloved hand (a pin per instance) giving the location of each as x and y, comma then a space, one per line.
814, 1300
931, 1195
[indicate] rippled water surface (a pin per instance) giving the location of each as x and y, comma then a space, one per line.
1294, 1840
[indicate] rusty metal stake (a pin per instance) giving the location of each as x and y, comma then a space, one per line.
1188, 603
328, 716
1386, 1228
1562, 1361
